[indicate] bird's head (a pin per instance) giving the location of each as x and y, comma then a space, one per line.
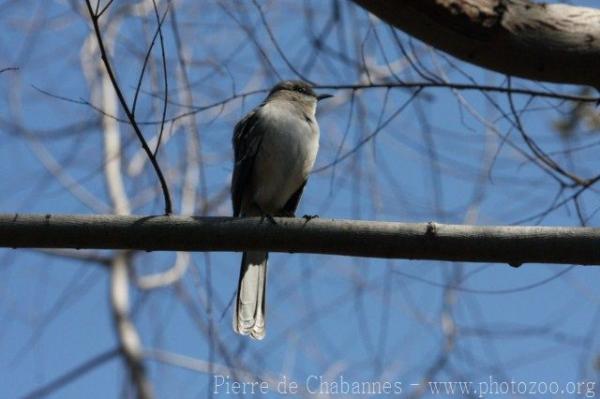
296, 90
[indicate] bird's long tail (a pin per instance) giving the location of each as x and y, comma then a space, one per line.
249, 316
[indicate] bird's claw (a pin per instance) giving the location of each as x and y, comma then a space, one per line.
269, 218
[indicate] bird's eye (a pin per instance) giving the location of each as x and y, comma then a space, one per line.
300, 89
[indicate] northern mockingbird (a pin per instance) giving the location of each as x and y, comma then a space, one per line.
275, 146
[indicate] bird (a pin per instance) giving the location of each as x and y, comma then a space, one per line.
275, 146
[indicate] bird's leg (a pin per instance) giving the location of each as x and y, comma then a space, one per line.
265, 215
269, 217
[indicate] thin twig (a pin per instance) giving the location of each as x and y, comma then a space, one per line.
462, 87
130, 116
276, 44
355, 87
9, 69
165, 80
370, 136
99, 13
72, 374
145, 63
533, 146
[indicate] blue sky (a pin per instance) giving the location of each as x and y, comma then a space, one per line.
449, 157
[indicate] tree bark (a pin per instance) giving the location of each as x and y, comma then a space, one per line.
514, 245
548, 42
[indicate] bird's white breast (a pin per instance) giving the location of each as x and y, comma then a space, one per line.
287, 153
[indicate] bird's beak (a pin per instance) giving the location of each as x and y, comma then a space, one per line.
323, 96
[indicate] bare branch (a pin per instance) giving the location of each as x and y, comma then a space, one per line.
126, 330
73, 374
8, 69
80, 256
514, 245
165, 189
463, 87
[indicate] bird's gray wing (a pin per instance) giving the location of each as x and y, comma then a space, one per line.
247, 138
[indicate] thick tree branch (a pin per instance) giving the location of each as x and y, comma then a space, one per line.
549, 42
514, 245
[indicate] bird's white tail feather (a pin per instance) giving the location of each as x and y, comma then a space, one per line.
249, 317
